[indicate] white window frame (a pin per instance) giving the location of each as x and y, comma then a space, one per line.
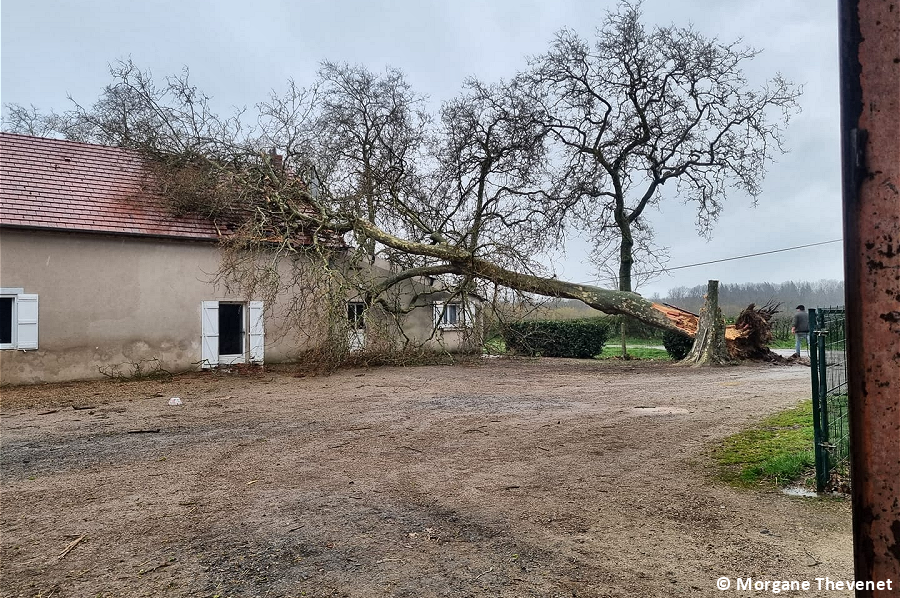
24, 324
12, 321
358, 323
463, 315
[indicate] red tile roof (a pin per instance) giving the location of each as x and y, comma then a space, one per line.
72, 186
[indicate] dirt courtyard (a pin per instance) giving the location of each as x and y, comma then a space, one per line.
511, 477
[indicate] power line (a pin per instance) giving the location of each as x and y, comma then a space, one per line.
740, 257
737, 257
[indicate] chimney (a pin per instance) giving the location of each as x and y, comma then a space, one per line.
276, 159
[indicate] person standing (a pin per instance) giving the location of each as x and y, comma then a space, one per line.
800, 328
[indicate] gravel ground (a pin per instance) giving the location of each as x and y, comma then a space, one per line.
510, 478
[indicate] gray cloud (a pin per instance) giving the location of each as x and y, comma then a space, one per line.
237, 55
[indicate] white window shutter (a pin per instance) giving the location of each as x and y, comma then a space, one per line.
27, 321
257, 332
356, 340
209, 334
469, 315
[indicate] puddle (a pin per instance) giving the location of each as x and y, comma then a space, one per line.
799, 491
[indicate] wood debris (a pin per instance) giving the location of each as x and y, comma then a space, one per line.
71, 545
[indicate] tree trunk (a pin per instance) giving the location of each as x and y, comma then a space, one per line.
626, 261
709, 342
460, 261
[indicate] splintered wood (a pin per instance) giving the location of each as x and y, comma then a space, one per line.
748, 339
688, 322
685, 320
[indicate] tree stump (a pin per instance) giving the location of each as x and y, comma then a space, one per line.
709, 342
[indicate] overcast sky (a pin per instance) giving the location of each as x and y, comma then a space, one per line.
238, 51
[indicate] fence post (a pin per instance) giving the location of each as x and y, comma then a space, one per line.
825, 436
821, 466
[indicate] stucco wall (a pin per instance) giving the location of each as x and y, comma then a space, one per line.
419, 327
107, 300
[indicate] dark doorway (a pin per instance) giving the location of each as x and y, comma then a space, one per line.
6, 319
231, 329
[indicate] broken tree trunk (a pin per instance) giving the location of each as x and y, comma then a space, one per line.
458, 260
709, 342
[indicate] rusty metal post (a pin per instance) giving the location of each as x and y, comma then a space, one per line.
870, 148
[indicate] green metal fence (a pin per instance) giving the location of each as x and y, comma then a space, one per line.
828, 368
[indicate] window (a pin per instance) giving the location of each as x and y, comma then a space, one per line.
18, 319
450, 315
231, 332
356, 336
355, 311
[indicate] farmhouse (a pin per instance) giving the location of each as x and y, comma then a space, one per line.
98, 277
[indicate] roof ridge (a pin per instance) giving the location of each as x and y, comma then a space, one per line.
37, 139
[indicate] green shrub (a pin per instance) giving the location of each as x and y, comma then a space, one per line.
557, 338
677, 345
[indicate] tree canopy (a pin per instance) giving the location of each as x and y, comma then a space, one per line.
584, 136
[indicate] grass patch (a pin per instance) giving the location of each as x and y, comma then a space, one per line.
615, 339
495, 346
612, 351
775, 452
785, 343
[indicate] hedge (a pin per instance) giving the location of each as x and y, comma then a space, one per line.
634, 328
677, 345
582, 338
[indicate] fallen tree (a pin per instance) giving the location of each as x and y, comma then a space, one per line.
748, 338
475, 193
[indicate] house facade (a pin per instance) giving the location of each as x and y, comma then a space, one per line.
97, 277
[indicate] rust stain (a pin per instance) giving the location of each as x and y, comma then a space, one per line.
870, 104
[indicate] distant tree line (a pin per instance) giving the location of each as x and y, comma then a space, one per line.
735, 297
